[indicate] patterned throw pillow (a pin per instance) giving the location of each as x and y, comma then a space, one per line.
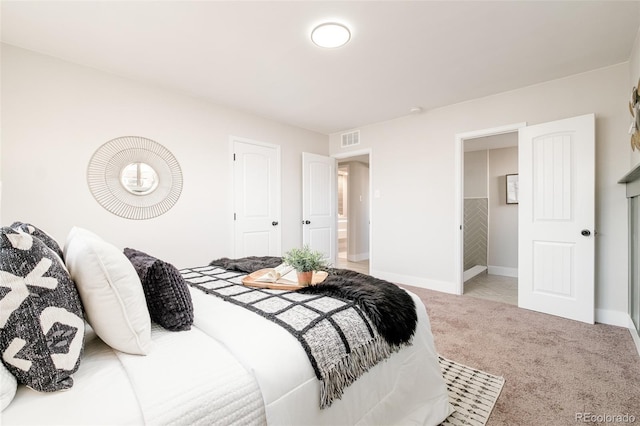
47, 239
166, 292
41, 320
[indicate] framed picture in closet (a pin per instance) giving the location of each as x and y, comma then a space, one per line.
512, 189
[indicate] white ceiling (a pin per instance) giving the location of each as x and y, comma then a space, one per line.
257, 56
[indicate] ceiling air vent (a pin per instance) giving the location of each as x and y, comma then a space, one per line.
350, 139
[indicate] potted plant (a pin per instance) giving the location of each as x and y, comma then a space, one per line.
305, 261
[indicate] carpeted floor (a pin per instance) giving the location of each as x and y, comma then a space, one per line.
554, 369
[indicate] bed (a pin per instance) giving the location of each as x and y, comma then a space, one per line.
187, 378
231, 366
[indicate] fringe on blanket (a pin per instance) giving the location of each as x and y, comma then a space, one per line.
352, 366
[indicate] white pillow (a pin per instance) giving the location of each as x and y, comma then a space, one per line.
8, 387
110, 291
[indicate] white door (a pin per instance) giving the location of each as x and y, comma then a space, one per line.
256, 180
319, 197
556, 218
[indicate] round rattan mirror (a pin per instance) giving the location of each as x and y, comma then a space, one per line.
134, 177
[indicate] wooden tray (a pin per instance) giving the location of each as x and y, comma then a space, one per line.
281, 284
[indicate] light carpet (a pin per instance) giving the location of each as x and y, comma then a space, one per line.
472, 392
556, 369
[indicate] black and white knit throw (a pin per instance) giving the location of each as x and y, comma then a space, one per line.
339, 338
390, 308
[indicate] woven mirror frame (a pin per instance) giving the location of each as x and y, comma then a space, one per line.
134, 177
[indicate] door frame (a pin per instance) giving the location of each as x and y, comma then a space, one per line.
357, 153
459, 194
232, 187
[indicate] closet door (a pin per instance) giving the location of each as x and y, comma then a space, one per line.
256, 186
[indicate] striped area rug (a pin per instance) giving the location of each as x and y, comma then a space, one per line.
473, 393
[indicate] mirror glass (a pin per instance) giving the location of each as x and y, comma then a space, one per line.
139, 178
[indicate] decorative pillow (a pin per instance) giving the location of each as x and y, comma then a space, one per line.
168, 297
41, 322
47, 239
110, 290
8, 387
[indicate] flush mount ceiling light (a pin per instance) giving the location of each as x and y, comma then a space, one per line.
330, 35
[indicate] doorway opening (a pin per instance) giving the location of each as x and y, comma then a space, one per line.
343, 209
354, 212
490, 228
556, 218
487, 238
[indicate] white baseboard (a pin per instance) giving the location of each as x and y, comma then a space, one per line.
473, 271
443, 286
634, 334
504, 271
617, 318
357, 257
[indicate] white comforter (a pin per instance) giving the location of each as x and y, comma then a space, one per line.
407, 388
188, 378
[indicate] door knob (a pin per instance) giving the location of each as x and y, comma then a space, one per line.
306, 222
585, 232
274, 223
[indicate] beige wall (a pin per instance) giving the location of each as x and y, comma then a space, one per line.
503, 217
56, 114
484, 177
358, 227
475, 174
414, 174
